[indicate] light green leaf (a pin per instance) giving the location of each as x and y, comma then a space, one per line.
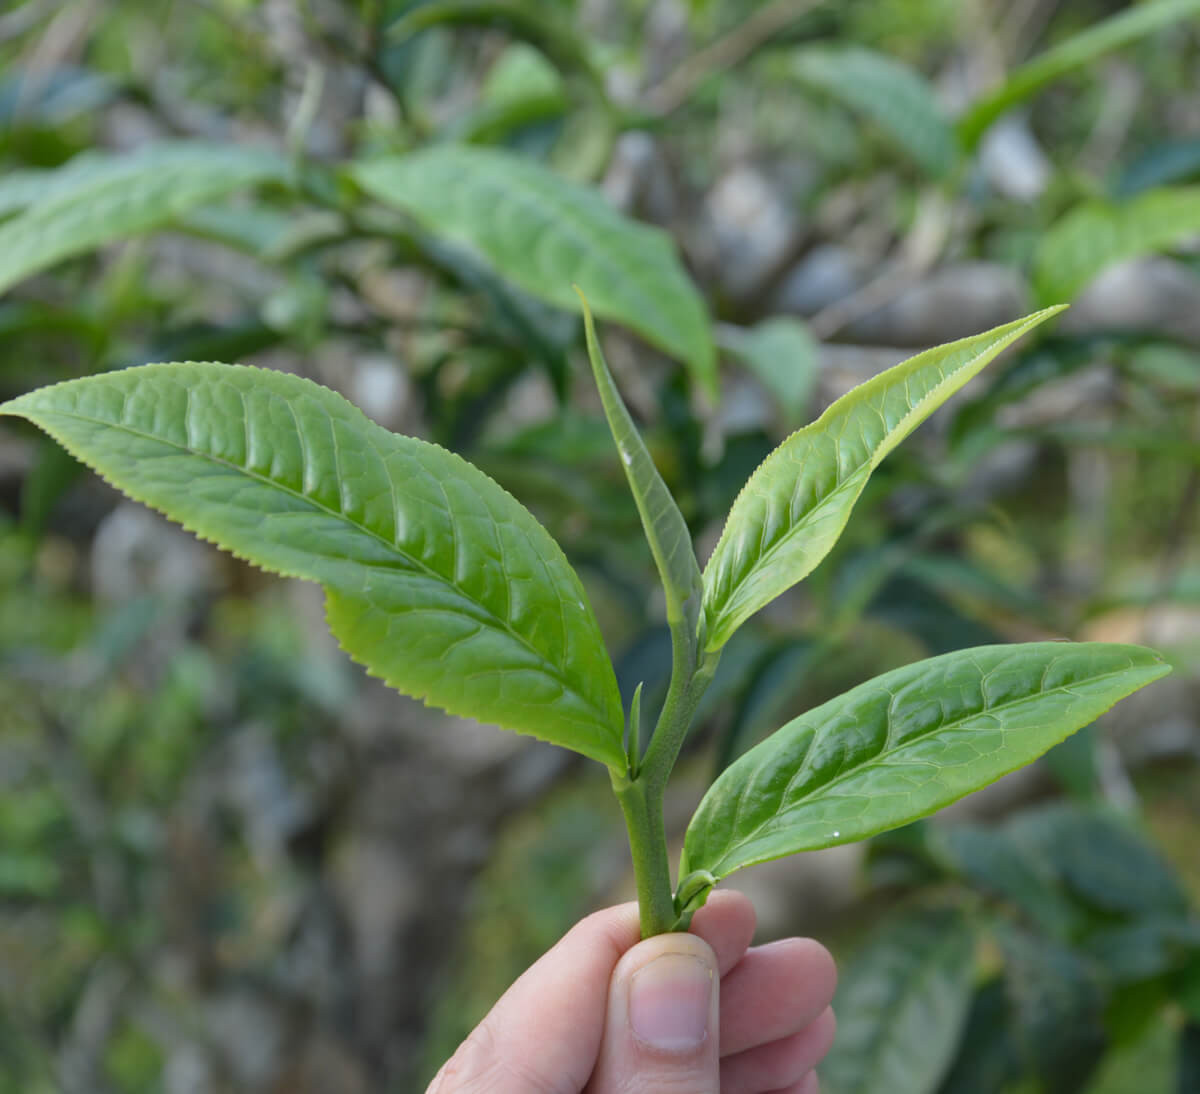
520, 73
544, 233
19, 189
794, 507
1109, 34
901, 1005
905, 744
895, 97
783, 354
666, 531
1097, 234
97, 199
437, 580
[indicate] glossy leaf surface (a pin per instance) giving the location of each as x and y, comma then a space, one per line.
903, 745
895, 97
98, 199
437, 580
794, 507
901, 1004
1100, 38
545, 233
666, 531
1097, 234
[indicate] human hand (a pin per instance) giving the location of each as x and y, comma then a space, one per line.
696, 1013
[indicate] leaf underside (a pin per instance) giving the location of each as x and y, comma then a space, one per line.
437, 580
905, 744
793, 508
97, 199
545, 233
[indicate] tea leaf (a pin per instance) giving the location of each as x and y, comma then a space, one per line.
1109, 34
545, 233
1097, 234
98, 199
666, 531
437, 580
794, 507
897, 98
903, 745
901, 1004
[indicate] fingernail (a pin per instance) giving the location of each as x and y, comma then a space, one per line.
669, 1003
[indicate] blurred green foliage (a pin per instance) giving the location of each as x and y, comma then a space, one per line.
185, 777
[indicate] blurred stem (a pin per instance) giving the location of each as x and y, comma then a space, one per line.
724, 53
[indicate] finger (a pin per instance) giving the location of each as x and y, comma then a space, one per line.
774, 991
810, 1084
780, 1064
545, 1031
726, 923
661, 1029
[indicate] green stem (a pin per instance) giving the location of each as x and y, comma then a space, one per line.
642, 805
683, 696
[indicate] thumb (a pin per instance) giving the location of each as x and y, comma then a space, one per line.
660, 1031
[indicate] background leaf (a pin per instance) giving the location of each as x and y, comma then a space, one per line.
783, 355
794, 507
1109, 34
1057, 1008
1097, 234
437, 580
897, 98
99, 199
901, 1004
997, 862
545, 233
900, 746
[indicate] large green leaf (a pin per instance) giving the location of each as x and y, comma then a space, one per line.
1096, 234
794, 507
666, 531
1109, 34
98, 199
545, 233
897, 98
437, 580
901, 1004
905, 744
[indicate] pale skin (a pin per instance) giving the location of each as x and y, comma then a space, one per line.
697, 1013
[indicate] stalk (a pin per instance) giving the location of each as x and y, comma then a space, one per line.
642, 806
